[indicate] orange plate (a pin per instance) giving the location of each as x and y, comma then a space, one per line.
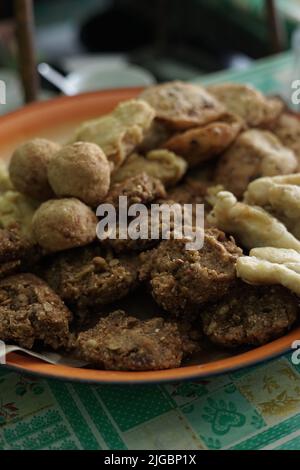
55, 119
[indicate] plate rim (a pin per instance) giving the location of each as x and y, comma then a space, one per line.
23, 363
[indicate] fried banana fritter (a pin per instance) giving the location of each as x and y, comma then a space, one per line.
30, 311
121, 342
248, 103
287, 130
255, 153
200, 144
250, 315
180, 279
90, 276
182, 105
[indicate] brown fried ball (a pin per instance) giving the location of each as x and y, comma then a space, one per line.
250, 315
30, 311
180, 280
121, 342
80, 170
60, 224
90, 277
28, 168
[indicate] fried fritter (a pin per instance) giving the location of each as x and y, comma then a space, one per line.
180, 279
139, 189
30, 311
182, 105
200, 144
248, 103
250, 315
154, 137
252, 226
161, 164
15, 252
255, 153
119, 132
121, 342
90, 276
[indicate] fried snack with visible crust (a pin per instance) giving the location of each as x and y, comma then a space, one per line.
252, 226
80, 170
255, 153
164, 165
59, 224
181, 105
281, 199
121, 342
181, 279
5, 181
287, 130
90, 276
154, 137
200, 144
119, 132
16, 252
28, 168
248, 103
30, 311
250, 315
139, 189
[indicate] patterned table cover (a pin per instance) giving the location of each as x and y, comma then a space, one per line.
254, 408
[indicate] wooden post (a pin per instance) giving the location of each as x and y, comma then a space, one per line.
26, 52
275, 26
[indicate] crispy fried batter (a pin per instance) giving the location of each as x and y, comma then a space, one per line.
16, 212
15, 252
203, 143
161, 164
139, 189
91, 276
252, 226
154, 137
250, 315
181, 279
255, 153
182, 105
30, 311
248, 103
270, 265
119, 132
121, 342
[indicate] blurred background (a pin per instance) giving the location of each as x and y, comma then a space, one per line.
98, 44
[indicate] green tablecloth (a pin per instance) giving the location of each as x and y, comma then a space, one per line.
256, 408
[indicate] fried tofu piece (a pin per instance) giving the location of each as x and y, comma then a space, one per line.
250, 315
122, 342
269, 265
30, 311
248, 103
90, 276
280, 196
181, 105
139, 189
200, 144
181, 280
164, 165
255, 153
252, 226
287, 130
119, 132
